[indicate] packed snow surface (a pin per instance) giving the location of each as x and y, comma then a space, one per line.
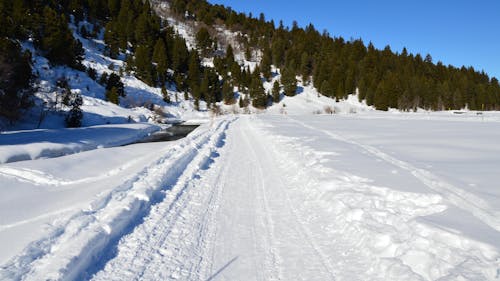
372, 196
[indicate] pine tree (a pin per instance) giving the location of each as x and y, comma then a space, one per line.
289, 82
16, 92
114, 81
204, 42
180, 55
305, 67
257, 92
112, 40
160, 58
276, 92
142, 62
112, 95
57, 41
326, 89
265, 64
193, 70
75, 114
228, 93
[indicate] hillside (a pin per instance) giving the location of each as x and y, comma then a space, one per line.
178, 60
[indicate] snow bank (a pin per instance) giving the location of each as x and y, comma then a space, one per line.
48, 143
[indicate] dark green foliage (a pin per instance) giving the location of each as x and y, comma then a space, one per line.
228, 93
114, 81
75, 114
289, 82
56, 40
104, 79
180, 55
15, 80
204, 42
276, 92
210, 89
112, 95
92, 73
161, 60
114, 87
66, 93
143, 65
194, 73
256, 90
112, 39
265, 64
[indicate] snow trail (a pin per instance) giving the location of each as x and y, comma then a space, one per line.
258, 198
76, 247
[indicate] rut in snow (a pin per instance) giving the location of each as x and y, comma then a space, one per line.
80, 246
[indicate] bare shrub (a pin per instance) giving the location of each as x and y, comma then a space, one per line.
328, 109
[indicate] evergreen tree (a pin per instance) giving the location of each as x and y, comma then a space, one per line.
143, 65
112, 95
276, 92
265, 64
180, 55
114, 81
228, 93
289, 82
16, 93
257, 92
112, 40
75, 114
193, 71
160, 58
57, 41
204, 42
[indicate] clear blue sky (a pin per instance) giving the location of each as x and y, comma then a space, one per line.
460, 32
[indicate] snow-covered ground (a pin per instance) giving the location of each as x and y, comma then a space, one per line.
365, 196
49, 143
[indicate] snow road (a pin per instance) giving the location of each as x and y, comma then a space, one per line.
265, 197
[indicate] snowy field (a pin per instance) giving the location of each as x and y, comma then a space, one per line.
366, 196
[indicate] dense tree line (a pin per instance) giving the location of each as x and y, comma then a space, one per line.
157, 55
338, 67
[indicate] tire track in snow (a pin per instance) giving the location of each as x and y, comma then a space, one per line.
304, 231
78, 246
171, 242
274, 254
455, 195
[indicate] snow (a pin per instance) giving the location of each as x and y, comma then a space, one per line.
365, 196
309, 189
48, 143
